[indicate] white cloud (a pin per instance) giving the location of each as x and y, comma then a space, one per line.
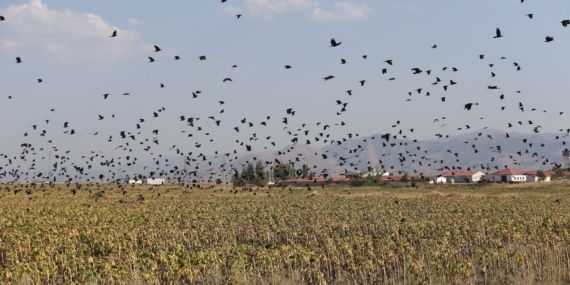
268, 8
133, 22
343, 11
409, 8
62, 36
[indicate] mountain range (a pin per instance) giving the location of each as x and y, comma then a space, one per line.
487, 150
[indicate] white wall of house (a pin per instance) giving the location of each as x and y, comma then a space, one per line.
495, 178
135, 181
467, 178
509, 178
517, 178
440, 180
547, 179
532, 178
155, 181
477, 176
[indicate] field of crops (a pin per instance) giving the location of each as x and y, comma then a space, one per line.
105, 234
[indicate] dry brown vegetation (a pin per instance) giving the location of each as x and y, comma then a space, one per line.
103, 234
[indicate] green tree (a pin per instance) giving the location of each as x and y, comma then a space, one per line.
558, 174
305, 171
405, 177
283, 171
238, 180
260, 179
541, 176
259, 171
248, 172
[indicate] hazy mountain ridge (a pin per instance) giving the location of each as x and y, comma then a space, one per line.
486, 150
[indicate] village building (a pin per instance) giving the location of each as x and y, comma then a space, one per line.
463, 176
155, 181
510, 175
396, 178
532, 176
438, 180
304, 181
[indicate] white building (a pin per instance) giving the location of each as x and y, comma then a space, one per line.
509, 175
155, 181
463, 176
373, 173
440, 180
135, 181
532, 176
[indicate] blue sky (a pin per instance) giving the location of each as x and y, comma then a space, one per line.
68, 45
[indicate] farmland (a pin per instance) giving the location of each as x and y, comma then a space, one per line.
105, 234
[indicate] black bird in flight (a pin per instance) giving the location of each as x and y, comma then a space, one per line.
157, 48
176, 57
469, 105
150, 59
238, 16
416, 70
334, 43
202, 57
288, 67
548, 39
530, 15
498, 34
328, 77
565, 23
2, 18
114, 34
18, 59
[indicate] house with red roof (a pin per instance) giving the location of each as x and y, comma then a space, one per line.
395, 178
532, 176
463, 176
307, 181
511, 175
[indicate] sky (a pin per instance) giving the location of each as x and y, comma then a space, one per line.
68, 45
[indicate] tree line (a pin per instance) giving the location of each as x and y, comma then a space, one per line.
256, 174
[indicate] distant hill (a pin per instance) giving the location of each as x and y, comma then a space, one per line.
486, 150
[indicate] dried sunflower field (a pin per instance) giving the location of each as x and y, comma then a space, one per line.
109, 234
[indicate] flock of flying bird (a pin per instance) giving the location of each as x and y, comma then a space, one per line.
97, 166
